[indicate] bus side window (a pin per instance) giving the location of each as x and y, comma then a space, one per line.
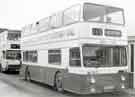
56, 20
30, 56
74, 57
54, 57
72, 15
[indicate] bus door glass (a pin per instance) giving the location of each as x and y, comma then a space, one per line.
74, 57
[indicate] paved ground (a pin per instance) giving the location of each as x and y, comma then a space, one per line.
12, 86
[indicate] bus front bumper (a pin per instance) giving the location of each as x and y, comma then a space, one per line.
98, 83
105, 83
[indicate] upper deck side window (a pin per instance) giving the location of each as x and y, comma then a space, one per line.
43, 24
65, 17
90, 13
93, 13
56, 20
72, 14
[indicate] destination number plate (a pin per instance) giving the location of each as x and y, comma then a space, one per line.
108, 87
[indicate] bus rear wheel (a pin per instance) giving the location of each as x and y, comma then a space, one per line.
58, 82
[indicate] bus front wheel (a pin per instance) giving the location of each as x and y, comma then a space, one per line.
58, 82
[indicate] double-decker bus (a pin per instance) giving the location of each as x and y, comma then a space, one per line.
10, 53
81, 49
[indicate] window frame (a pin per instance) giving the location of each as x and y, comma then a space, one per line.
54, 54
79, 18
112, 57
27, 56
78, 59
105, 22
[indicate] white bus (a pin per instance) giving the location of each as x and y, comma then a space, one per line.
81, 49
10, 53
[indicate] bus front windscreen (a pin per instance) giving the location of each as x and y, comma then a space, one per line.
13, 55
103, 14
101, 56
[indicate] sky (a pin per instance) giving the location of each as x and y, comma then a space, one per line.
14, 14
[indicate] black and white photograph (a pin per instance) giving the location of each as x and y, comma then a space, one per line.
67, 48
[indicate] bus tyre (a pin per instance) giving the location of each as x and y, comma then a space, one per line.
27, 75
58, 82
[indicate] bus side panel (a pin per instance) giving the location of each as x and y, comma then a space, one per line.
43, 74
35, 73
73, 82
79, 84
50, 74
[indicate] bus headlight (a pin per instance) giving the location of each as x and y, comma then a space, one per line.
93, 80
122, 86
123, 78
93, 90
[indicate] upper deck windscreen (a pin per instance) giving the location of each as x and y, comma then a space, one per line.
103, 14
14, 36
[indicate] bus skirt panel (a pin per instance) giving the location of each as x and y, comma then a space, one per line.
99, 83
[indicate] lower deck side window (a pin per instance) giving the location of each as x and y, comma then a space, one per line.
30, 56
54, 57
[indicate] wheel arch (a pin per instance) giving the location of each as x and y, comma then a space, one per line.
58, 71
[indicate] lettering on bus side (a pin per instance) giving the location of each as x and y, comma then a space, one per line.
62, 34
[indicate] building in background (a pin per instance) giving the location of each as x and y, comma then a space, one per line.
10, 50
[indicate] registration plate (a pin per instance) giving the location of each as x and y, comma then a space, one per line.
108, 87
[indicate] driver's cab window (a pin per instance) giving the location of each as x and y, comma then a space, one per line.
74, 57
